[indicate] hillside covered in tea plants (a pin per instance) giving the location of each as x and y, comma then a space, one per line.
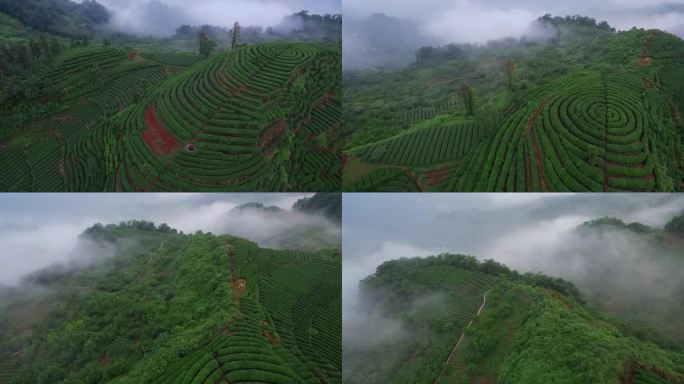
161, 306
106, 112
453, 319
584, 109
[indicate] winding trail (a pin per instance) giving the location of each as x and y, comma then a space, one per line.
460, 339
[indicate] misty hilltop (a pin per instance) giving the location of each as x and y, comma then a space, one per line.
313, 223
573, 105
581, 288
453, 319
153, 304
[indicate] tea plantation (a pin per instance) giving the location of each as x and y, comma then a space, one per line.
596, 111
260, 117
177, 308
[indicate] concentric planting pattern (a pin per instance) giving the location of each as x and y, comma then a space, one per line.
261, 118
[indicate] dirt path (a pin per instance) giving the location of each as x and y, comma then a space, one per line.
605, 136
460, 339
535, 145
237, 285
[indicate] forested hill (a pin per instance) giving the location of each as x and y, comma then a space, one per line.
60, 17
153, 305
453, 319
573, 106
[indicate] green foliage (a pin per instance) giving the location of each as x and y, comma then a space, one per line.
530, 329
594, 115
327, 204
676, 224
91, 111
60, 17
168, 307
615, 223
206, 44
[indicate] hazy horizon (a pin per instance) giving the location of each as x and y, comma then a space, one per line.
162, 17
470, 21
37, 230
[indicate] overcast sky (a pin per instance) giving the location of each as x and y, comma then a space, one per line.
483, 20
527, 232
135, 15
37, 230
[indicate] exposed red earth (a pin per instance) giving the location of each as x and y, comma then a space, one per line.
156, 136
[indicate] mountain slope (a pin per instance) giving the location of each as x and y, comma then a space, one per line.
530, 329
586, 110
168, 307
262, 117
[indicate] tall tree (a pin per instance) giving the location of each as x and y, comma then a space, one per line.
206, 45
468, 102
236, 35
510, 74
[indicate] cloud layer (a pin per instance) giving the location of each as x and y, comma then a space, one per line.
162, 17
527, 232
37, 230
469, 21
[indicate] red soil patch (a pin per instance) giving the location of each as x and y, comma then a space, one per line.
270, 135
267, 335
674, 112
344, 161
629, 373
132, 55
225, 330
648, 83
319, 376
537, 152
436, 176
483, 380
556, 296
156, 136
415, 181
240, 286
117, 181
643, 61
241, 87
62, 118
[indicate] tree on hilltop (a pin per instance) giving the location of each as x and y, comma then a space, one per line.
235, 36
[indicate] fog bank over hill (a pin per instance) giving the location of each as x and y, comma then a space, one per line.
162, 17
438, 22
527, 232
37, 230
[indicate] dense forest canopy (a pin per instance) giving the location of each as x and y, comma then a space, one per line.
327, 204
60, 17
454, 319
162, 305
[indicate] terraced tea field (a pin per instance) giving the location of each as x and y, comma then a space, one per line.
231, 312
593, 130
288, 326
262, 117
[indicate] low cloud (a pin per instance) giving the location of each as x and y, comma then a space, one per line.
439, 22
529, 233
38, 230
162, 17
